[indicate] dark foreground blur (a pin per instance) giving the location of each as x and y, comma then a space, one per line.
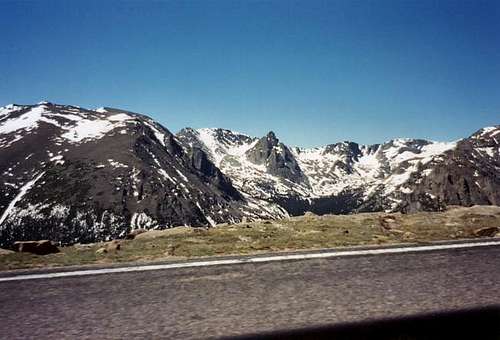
481, 323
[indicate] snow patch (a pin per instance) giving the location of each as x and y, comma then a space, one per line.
120, 117
27, 121
88, 129
117, 164
9, 108
142, 221
160, 136
486, 130
24, 189
208, 218
182, 175
59, 211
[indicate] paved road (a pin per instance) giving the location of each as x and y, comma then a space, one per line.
242, 299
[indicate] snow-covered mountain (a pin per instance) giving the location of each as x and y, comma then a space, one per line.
259, 168
75, 175
399, 175
71, 175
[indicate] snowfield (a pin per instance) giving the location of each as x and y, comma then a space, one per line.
329, 170
78, 127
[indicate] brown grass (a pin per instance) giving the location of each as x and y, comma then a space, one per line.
296, 233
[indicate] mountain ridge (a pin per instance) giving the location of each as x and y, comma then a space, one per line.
72, 174
345, 171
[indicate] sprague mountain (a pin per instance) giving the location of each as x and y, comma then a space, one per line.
76, 175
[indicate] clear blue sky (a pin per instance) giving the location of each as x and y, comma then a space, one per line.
315, 72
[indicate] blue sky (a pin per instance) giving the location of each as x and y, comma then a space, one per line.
315, 72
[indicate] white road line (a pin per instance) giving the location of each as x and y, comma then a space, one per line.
250, 260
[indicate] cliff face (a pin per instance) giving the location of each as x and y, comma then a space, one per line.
468, 175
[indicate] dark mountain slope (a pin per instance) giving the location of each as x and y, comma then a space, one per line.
76, 175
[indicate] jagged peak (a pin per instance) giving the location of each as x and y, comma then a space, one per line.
187, 129
9, 108
271, 135
268, 141
406, 143
343, 147
488, 131
221, 131
5, 110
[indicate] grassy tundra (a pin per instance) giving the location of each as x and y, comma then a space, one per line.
295, 233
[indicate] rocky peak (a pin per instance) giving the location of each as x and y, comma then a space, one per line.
189, 138
264, 148
217, 143
276, 157
347, 150
406, 144
486, 137
230, 138
271, 138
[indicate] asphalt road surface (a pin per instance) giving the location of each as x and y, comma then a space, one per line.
273, 299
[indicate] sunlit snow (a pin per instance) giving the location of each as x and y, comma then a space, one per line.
24, 189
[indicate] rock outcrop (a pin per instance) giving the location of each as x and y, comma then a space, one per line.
43, 247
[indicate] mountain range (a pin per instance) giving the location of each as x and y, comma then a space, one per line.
73, 175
